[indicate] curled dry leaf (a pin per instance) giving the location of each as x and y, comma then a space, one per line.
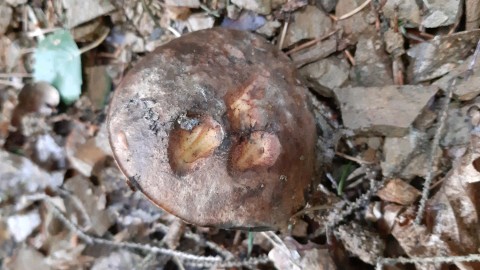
399, 191
452, 213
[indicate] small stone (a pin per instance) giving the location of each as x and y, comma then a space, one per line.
21, 226
5, 17
472, 12
79, 12
457, 128
434, 58
326, 74
372, 64
316, 52
327, 5
464, 89
407, 10
183, 3
200, 21
16, 2
258, 6
398, 151
388, 110
356, 24
374, 142
269, 29
441, 13
308, 23
394, 43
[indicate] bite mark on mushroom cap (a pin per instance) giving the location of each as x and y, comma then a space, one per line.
210, 135
261, 149
189, 145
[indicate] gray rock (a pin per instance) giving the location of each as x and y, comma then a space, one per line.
356, 24
326, 74
327, 5
5, 17
81, 11
472, 12
269, 29
316, 52
258, 6
388, 110
200, 21
394, 43
308, 23
432, 59
372, 64
464, 89
457, 128
16, 2
183, 3
407, 11
397, 151
441, 12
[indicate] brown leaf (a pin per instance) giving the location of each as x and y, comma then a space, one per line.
399, 191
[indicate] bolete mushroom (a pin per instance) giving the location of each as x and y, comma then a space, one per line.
215, 128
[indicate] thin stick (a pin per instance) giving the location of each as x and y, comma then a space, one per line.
97, 42
349, 57
283, 34
446, 259
353, 12
15, 75
310, 43
33, 18
433, 152
174, 31
473, 62
39, 32
186, 258
357, 160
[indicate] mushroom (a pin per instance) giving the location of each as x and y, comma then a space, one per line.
40, 98
215, 128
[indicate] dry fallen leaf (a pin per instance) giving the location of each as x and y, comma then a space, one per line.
399, 191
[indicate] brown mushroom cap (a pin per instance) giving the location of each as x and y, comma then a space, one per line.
215, 128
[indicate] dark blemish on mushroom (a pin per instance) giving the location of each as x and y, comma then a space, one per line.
133, 183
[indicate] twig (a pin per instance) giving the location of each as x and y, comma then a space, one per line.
353, 12
471, 66
39, 32
310, 43
97, 42
361, 201
33, 18
15, 75
185, 258
155, 21
205, 8
200, 240
15, 85
283, 34
349, 57
433, 151
311, 209
174, 31
357, 160
450, 259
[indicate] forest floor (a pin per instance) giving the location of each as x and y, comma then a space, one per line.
396, 84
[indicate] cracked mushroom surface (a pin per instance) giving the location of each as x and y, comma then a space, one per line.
215, 128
